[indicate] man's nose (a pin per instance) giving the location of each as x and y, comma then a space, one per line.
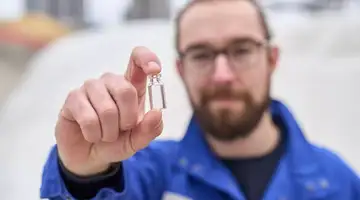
223, 72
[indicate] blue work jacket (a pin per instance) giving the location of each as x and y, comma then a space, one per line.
187, 169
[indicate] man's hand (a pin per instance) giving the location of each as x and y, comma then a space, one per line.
104, 120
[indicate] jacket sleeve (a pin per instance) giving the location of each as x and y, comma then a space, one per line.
348, 177
143, 176
355, 184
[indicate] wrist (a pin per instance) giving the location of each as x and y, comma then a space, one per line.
85, 170
111, 171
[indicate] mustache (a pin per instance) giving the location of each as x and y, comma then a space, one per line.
223, 93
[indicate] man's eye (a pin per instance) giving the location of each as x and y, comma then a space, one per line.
202, 56
240, 51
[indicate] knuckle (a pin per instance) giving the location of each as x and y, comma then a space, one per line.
126, 90
90, 83
107, 75
88, 121
112, 80
73, 93
73, 96
108, 111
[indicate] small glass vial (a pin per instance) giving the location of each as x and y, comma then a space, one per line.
156, 92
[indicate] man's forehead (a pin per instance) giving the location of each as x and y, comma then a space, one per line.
205, 9
229, 16
217, 6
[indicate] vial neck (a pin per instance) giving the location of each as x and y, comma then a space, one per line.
155, 78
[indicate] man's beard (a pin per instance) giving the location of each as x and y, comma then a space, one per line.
227, 124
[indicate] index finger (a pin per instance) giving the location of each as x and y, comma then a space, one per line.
142, 63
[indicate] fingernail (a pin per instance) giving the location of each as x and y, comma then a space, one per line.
154, 66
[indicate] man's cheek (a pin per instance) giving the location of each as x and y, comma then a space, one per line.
197, 93
194, 95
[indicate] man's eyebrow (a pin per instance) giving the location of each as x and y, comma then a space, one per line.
244, 40
207, 45
198, 46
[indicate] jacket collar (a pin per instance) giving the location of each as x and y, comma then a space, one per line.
194, 151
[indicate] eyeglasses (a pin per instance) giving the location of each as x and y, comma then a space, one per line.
241, 55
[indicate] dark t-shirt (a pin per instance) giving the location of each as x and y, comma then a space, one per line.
254, 174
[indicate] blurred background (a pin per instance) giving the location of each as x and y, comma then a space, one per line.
48, 47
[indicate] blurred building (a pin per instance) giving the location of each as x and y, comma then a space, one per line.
70, 12
306, 5
19, 40
149, 9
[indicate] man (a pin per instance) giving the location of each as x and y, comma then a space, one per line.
240, 143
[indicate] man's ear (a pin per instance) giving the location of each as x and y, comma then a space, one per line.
274, 54
180, 68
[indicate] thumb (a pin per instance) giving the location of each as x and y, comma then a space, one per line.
147, 130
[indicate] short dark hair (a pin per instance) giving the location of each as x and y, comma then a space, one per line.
260, 11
